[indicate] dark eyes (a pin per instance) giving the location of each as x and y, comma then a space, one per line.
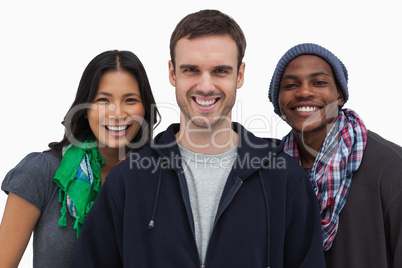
221, 71
190, 70
128, 100
290, 86
320, 83
101, 100
195, 70
317, 83
132, 100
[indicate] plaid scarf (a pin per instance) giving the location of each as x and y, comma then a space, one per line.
331, 175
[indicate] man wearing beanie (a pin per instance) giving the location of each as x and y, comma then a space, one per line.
355, 173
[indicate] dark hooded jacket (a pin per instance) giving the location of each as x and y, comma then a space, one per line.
267, 216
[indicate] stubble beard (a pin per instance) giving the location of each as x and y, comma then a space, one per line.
204, 120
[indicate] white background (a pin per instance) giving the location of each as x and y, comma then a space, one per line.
45, 46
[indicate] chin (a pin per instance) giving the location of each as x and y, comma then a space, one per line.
115, 144
316, 128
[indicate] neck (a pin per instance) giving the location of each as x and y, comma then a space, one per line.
211, 141
309, 144
112, 157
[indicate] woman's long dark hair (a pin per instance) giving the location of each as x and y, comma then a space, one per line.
76, 124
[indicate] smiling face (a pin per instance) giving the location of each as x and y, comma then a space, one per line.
117, 111
308, 95
206, 78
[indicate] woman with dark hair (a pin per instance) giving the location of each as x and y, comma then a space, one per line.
50, 193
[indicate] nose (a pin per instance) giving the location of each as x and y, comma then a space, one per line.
116, 112
304, 91
206, 83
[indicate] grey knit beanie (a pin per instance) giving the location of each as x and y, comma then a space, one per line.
338, 68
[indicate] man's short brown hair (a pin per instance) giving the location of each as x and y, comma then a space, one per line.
208, 22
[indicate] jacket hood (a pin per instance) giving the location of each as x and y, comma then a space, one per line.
253, 153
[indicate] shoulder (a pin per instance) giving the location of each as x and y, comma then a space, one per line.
296, 175
280, 165
282, 169
382, 149
132, 178
31, 178
381, 159
137, 165
36, 162
381, 168
136, 162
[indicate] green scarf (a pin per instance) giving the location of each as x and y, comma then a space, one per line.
79, 180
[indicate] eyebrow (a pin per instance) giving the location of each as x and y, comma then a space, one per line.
291, 76
125, 95
190, 66
187, 66
226, 67
319, 73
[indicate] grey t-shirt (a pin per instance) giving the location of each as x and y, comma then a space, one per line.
31, 179
206, 176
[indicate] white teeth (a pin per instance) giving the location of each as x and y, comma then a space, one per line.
205, 103
306, 109
117, 128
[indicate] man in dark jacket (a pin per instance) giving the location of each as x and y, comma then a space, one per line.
206, 193
356, 174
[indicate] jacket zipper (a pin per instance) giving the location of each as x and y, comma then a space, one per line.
228, 199
186, 199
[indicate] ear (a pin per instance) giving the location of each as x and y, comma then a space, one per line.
240, 75
172, 76
341, 100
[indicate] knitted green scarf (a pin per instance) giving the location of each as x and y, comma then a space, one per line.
79, 180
